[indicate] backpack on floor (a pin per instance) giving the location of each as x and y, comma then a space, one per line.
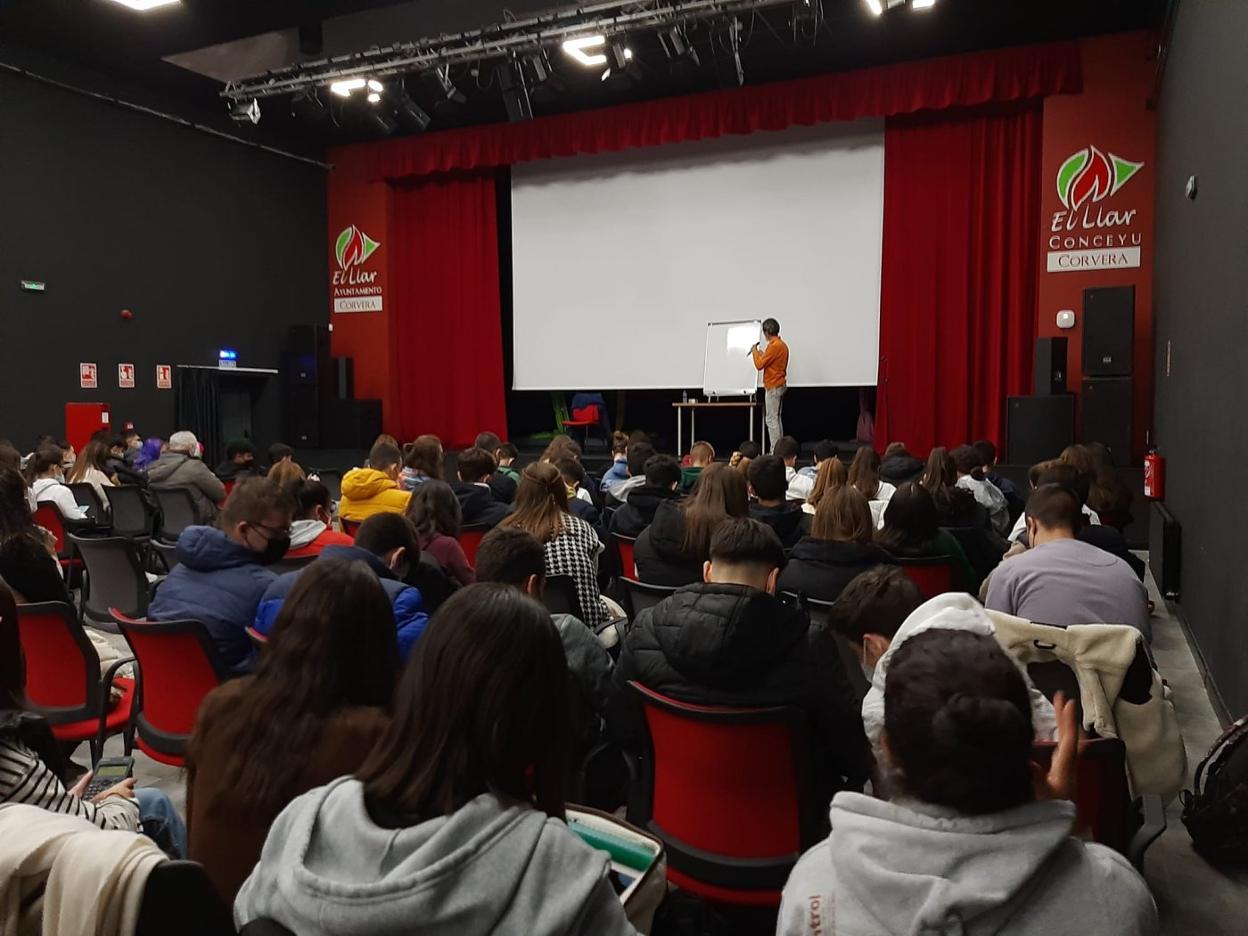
1216, 812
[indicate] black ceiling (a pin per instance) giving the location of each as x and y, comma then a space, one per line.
87, 42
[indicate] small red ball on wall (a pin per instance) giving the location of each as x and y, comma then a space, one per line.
126, 314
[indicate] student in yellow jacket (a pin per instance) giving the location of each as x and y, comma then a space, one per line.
375, 489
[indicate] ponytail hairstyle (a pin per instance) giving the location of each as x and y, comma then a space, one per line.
957, 722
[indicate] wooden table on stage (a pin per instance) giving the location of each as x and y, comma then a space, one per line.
693, 407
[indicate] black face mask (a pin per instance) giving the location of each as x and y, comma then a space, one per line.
274, 550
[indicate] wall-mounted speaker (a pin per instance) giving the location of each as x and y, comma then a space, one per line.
1108, 331
1050, 366
1107, 415
1039, 427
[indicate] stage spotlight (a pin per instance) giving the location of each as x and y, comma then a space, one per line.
308, 106
922, 4
450, 93
411, 115
682, 57
875, 6
245, 111
381, 120
580, 49
544, 85
515, 92
623, 69
346, 86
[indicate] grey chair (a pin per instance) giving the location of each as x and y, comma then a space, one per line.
177, 512
114, 579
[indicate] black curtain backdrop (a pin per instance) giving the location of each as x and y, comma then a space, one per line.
199, 408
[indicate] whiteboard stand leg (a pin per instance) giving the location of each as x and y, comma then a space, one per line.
749, 418
693, 430
678, 428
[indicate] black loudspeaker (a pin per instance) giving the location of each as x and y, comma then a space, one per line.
1107, 415
343, 371
1050, 369
1108, 331
302, 416
350, 424
307, 352
1039, 427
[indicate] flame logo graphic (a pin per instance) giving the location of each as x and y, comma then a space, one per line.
353, 247
1090, 176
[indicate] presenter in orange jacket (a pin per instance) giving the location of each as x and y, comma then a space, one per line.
772, 358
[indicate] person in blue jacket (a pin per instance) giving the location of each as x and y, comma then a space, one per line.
221, 572
386, 543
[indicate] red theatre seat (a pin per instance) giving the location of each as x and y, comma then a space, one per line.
933, 575
49, 516
729, 791
624, 546
469, 539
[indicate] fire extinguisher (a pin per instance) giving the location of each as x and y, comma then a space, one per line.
1154, 474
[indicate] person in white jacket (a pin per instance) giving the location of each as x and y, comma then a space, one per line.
48, 483
970, 478
977, 840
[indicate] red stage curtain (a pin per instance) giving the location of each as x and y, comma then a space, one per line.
447, 341
980, 78
958, 302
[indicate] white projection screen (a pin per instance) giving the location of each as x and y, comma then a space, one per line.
620, 260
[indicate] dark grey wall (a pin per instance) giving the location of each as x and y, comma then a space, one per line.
1202, 327
211, 244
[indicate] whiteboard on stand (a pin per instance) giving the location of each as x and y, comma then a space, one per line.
728, 368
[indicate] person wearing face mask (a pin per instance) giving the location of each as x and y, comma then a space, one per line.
222, 571
387, 544
47, 483
728, 640
881, 609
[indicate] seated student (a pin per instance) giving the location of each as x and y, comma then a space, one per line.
1056, 471
572, 547
151, 450
730, 641
311, 712
240, 461
179, 466
502, 484
674, 547
864, 474
1107, 495
662, 476
638, 454
767, 484
507, 455
92, 468
579, 504
479, 507
513, 557
422, 461
956, 506
133, 442
47, 483
977, 838
701, 456
280, 454
436, 517
386, 543
116, 464
222, 571
27, 561
32, 762
312, 528
375, 489
988, 464
285, 473
841, 544
456, 820
1061, 580
968, 464
619, 461
746, 452
799, 486
831, 475
824, 449
898, 466
912, 531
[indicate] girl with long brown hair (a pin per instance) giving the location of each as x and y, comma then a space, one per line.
864, 474
672, 549
841, 545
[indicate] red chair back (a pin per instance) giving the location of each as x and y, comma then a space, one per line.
48, 516
350, 527
729, 791
469, 539
1103, 798
583, 416
628, 563
62, 667
934, 575
178, 666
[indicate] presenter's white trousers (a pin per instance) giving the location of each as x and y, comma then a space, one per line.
773, 399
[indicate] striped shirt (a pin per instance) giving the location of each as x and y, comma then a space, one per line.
25, 778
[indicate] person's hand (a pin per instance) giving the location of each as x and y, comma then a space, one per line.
81, 786
1060, 783
124, 789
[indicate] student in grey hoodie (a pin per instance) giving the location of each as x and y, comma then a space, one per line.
977, 841
455, 824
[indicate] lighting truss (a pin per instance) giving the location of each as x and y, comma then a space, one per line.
504, 40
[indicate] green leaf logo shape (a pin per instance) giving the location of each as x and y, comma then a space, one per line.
1124, 169
1066, 175
353, 247
1087, 175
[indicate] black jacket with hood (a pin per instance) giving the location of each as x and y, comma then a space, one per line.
821, 569
478, 505
733, 645
659, 552
788, 521
638, 511
898, 469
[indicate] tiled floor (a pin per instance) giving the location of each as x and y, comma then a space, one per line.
1192, 896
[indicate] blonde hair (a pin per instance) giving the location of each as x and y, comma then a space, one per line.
843, 516
702, 451
285, 472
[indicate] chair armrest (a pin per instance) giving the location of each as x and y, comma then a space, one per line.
1153, 812
106, 683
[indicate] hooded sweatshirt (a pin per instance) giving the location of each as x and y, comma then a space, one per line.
633, 517
909, 869
898, 469
477, 504
367, 491
328, 868
659, 551
179, 470
820, 568
309, 537
952, 611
